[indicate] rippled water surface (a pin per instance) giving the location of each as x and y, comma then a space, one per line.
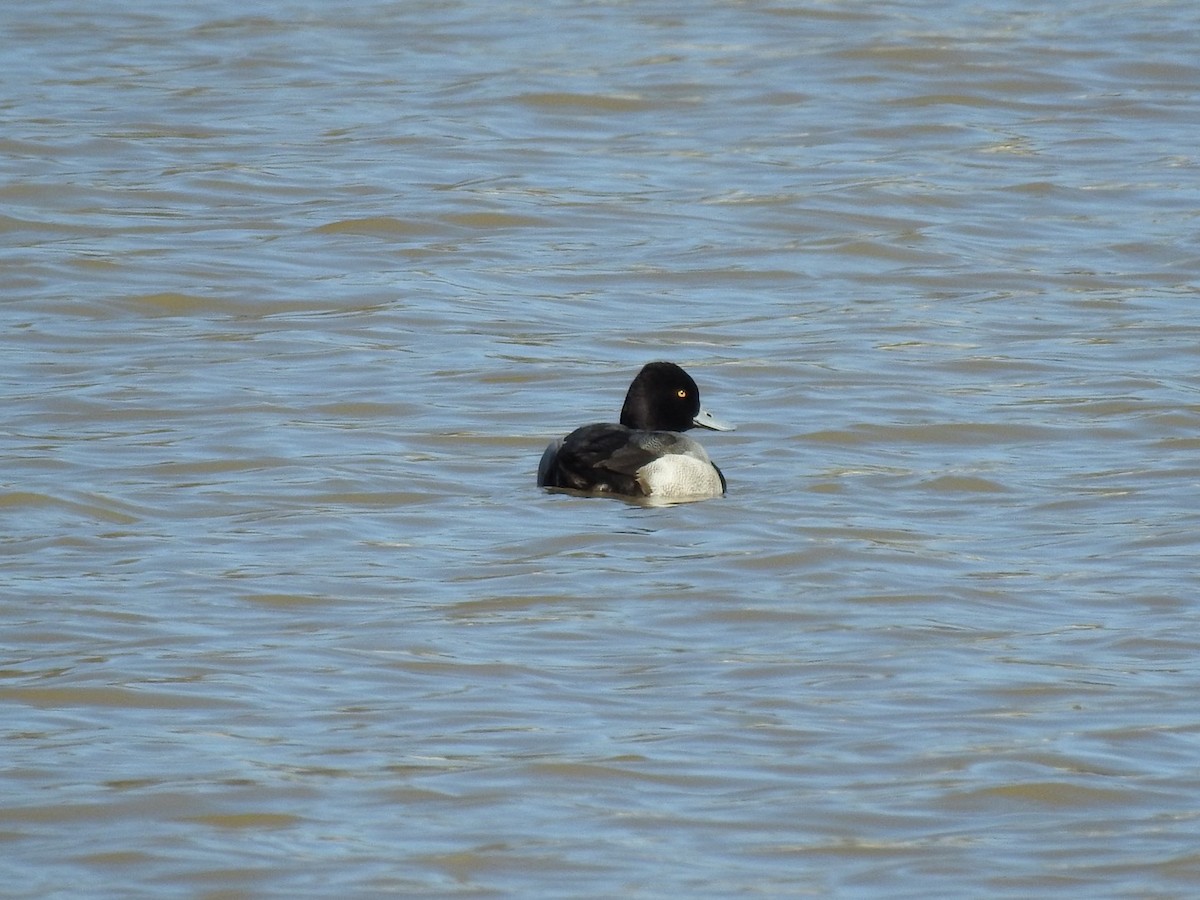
294, 295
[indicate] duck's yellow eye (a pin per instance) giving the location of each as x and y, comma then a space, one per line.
681, 393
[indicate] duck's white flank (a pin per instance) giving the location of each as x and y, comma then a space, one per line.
680, 475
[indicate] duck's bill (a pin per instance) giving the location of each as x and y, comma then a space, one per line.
705, 419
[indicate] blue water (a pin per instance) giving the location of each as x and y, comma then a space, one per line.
295, 297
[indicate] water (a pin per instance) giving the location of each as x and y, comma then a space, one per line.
295, 297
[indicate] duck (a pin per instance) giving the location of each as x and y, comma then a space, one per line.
646, 455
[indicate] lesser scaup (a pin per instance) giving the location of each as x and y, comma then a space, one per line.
644, 456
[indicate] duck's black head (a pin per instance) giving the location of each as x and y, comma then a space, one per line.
663, 397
